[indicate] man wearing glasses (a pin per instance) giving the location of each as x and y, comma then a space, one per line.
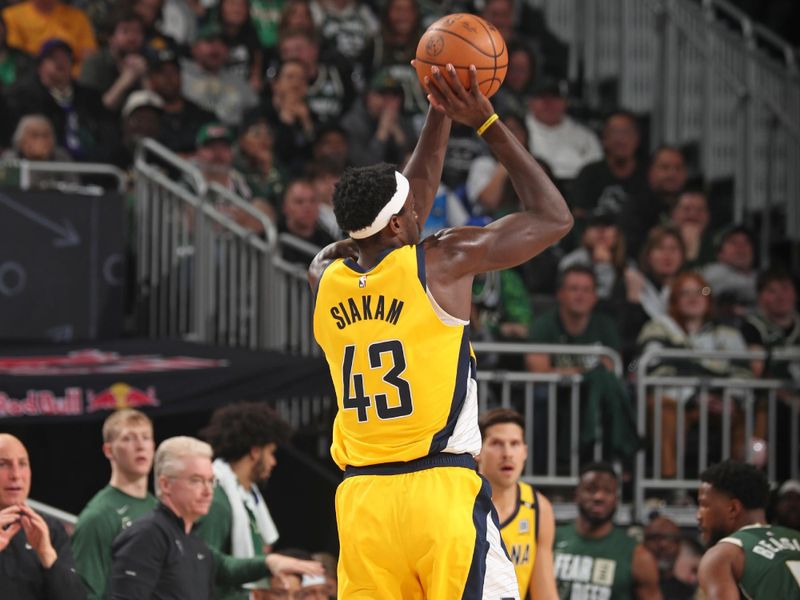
159, 556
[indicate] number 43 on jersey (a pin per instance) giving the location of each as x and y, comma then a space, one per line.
378, 353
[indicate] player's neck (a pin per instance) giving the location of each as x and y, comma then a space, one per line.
751, 517
504, 499
133, 485
370, 253
588, 530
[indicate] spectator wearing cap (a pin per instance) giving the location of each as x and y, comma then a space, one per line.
141, 119
618, 178
603, 250
117, 69
254, 157
787, 505
666, 178
181, 118
556, 137
377, 129
208, 82
290, 117
691, 217
214, 157
733, 276
77, 113
30, 24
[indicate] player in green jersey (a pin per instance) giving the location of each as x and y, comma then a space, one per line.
747, 556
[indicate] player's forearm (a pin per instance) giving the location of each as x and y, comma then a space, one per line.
424, 168
536, 192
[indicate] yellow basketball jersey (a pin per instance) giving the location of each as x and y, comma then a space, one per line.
402, 368
519, 534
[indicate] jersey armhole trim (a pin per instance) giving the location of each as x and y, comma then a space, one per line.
536, 515
732, 540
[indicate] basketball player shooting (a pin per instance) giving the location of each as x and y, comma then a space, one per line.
392, 312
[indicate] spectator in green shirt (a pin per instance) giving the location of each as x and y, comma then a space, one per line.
244, 437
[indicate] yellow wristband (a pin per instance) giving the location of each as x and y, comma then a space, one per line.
487, 123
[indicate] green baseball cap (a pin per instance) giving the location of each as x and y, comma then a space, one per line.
211, 132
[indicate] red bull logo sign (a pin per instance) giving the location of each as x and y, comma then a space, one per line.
75, 402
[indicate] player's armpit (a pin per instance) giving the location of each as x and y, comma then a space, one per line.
717, 572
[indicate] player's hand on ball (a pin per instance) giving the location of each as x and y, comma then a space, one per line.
279, 564
447, 95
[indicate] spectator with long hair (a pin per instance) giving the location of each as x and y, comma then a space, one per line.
245, 54
688, 325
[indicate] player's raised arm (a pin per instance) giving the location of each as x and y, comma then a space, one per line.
424, 168
515, 238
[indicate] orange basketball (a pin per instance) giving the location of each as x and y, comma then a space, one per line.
462, 40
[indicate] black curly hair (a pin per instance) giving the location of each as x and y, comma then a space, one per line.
361, 194
235, 428
739, 480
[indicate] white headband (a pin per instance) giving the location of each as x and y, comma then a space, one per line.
394, 206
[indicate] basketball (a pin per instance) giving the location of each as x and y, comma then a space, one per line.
462, 40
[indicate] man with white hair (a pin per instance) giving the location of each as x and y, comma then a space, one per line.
35, 558
159, 556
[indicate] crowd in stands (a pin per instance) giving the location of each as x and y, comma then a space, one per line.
273, 99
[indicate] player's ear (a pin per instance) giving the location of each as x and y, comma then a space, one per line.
107, 450
395, 224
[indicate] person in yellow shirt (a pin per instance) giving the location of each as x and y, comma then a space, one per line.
31, 23
392, 315
527, 523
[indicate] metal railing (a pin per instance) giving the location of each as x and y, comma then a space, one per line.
709, 76
65, 176
739, 399
201, 275
61, 515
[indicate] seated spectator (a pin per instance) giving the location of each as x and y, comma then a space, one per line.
34, 139
775, 323
330, 84
733, 276
603, 250
289, 115
787, 505
346, 28
565, 144
141, 119
392, 52
618, 178
128, 446
324, 177
245, 55
488, 188
117, 69
207, 81
254, 157
575, 322
295, 587
300, 217
181, 118
151, 13
14, 63
30, 24
295, 16
331, 145
647, 288
376, 127
688, 324
690, 216
463, 148
666, 178
35, 557
76, 112
662, 537
214, 158
501, 307
519, 81
244, 437
160, 556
